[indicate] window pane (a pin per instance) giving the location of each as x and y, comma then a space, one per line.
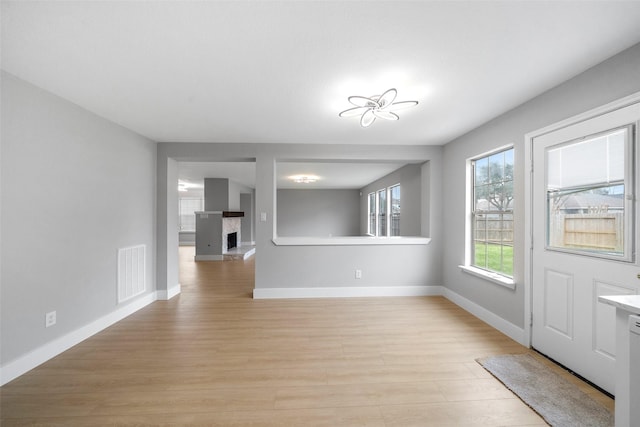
492, 246
591, 220
395, 210
496, 168
187, 218
480, 229
508, 165
372, 213
481, 171
586, 195
481, 198
592, 162
480, 255
507, 229
382, 212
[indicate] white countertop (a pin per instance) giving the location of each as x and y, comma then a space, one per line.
631, 303
350, 240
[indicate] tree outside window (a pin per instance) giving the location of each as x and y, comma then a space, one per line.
492, 223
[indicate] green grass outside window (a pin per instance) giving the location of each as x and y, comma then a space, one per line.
494, 257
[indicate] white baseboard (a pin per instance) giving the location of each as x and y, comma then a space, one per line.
209, 257
249, 253
347, 292
170, 293
509, 329
50, 350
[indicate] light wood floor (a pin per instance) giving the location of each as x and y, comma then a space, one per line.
213, 356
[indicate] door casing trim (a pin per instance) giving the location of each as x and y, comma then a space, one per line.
528, 198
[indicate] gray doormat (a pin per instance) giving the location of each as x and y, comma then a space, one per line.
555, 399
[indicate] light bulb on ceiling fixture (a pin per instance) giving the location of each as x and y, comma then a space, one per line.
377, 106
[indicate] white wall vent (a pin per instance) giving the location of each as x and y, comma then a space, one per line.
131, 272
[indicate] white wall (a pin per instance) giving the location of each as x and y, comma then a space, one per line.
75, 188
611, 80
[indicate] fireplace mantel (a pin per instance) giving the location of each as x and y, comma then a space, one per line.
225, 214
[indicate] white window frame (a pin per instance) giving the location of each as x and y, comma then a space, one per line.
387, 212
468, 267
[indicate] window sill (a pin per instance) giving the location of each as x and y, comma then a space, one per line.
349, 241
487, 275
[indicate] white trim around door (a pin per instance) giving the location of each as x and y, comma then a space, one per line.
528, 183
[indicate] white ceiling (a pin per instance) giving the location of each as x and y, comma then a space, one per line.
345, 175
281, 71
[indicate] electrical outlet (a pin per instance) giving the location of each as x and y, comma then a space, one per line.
358, 274
50, 319
263, 216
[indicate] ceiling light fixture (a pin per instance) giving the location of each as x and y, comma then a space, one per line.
377, 106
304, 179
186, 185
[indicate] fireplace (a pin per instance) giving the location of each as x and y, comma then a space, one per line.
232, 240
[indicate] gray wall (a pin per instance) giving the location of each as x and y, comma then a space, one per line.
313, 266
318, 212
187, 238
410, 179
216, 194
75, 189
247, 222
223, 194
235, 190
209, 234
611, 80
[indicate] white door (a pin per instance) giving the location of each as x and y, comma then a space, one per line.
584, 238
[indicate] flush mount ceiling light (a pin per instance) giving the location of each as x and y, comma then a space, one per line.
186, 186
377, 106
304, 179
